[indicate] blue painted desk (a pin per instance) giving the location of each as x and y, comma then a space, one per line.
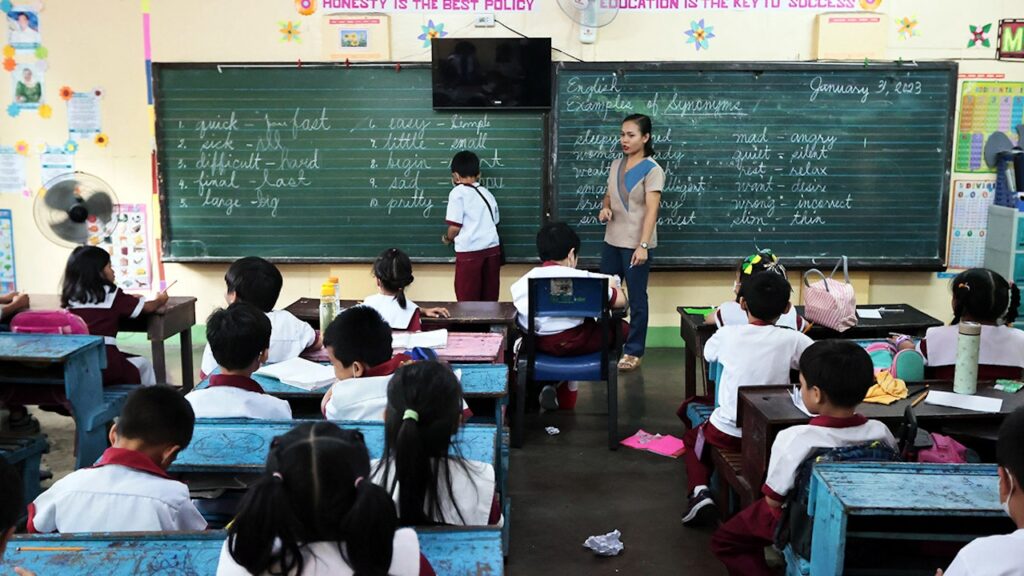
25, 453
451, 551
892, 493
76, 363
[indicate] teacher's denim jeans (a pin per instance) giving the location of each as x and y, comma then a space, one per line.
616, 261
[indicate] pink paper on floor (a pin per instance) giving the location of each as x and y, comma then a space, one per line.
665, 445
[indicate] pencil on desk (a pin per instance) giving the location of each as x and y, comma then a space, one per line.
51, 548
919, 399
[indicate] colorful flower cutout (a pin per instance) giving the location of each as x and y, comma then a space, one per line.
42, 52
66, 93
5, 6
71, 146
21, 147
9, 64
101, 140
431, 31
290, 31
45, 111
13, 110
978, 36
699, 34
870, 5
97, 92
9, 51
305, 7
907, 27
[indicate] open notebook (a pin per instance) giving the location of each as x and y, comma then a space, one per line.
428, 339
300, 373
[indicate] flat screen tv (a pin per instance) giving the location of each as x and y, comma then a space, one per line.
492, 72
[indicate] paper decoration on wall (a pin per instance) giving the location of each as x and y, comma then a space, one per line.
8, 277
986, 107
290, 31
978, 36
699, 34
431, 31
84, 120
27, 87
1010, 42
21, 147
23, 29
12, 171
129, 252
870, 5
356, 37
305, 7
971, 200
907, 27
54, 162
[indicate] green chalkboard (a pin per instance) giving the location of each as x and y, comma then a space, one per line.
327, 163
811, 160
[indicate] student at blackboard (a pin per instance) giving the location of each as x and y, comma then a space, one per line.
630, 210
1001, 555
732, 313
472, 219
982, 296
258, 282
393, 271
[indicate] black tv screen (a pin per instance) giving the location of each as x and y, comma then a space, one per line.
492, 72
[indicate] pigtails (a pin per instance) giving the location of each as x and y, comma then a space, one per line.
369, 529
961, 296
413, 471
265, 519
1011, 310
393, 269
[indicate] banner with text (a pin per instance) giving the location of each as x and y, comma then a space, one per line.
623, 5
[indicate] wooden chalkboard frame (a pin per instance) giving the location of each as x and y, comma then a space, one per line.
720, 263
166, 232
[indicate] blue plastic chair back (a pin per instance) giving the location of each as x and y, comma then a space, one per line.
568, 297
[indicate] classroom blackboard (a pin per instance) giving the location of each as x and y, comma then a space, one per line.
811, 160
328, 163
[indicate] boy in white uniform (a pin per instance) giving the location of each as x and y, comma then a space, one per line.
258, 282
472, 218
128, 489
835, 375
239, 337
1001, 555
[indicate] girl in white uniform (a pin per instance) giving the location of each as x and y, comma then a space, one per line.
393, 271
731, 313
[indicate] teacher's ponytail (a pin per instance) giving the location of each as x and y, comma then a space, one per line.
644, 123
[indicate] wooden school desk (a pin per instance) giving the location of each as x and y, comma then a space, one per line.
452, 551
764, 411
695, 333
175, 318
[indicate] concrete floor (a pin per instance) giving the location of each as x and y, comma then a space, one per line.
567, 487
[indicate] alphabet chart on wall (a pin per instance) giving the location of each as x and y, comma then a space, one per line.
986, 107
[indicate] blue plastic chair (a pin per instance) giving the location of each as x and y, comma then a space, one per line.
569, 298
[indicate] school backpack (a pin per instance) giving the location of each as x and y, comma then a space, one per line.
795, 527
907, 365
48, 322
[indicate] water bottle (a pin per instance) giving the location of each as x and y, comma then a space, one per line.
338, 309
965, 380
328, 306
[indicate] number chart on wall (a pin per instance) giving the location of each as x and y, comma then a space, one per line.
813, 161
329, 163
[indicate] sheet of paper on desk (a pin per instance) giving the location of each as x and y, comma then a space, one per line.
798, 401
428, 339
869, 313
965, 401
300, 373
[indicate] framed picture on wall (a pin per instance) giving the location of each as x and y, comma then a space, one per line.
365, 37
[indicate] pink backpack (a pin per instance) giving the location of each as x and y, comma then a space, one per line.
830, 302
944, 450
48, 322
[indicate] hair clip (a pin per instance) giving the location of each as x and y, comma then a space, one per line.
964, 285
358, 481
411, 415
278, 476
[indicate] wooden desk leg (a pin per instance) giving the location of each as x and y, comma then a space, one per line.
690, 376
159, 361
187, 371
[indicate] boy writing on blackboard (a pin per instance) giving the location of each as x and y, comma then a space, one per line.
472, 219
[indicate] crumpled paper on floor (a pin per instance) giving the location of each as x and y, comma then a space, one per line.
552, 431
607, 545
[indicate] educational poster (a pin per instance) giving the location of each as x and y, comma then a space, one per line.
23, 29
8, 282
55, 162
971, 200
129, 252
1010, 40
27, 86
12, 171
84, 115
356, 37
986, 107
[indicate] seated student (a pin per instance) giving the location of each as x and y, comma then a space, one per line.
755, 354
558, 247
314, 513
731, 313
393, 271
982, 296
258, 282
239, 337
128, 489
430, 486
11, 507
10, 304
835, 375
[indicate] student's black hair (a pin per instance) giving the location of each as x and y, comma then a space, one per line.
1010, 446
766, 296
12, 496
83, 276
237, 335
466, 163
157, 415
394, 270
359, 334
985, 296
417, 447
256, 281
763, 260
841, 369
315, 488
643, 122
555, 240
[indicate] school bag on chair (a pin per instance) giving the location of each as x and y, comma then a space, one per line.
830, 302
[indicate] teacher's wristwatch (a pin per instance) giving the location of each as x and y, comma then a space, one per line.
643, 245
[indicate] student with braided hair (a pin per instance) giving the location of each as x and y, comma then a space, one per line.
393, 271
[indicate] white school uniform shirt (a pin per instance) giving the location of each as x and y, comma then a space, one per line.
794, 444
548, 326
325, 559
124, 492
358, 399
732, 313
473, 487
397, 317
468, 211
1000, 346
750, 355
231, 396
289, 336
991, 556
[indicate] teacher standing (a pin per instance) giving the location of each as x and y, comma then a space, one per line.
630, 210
